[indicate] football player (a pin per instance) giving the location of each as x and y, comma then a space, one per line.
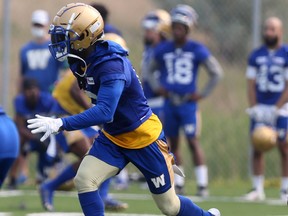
178, 61
267, 77
156, 25
131, 132
26, 105
9, 145
35, 59
69, 101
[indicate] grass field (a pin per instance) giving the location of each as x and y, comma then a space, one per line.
226, 197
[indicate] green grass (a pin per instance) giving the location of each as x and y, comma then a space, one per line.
222, 197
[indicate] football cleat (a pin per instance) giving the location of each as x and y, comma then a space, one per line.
114, 205
202, 192
255, 195
214, 212
46, 196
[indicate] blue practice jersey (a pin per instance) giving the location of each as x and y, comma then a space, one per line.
108, 28
146, 61
43, 107
179, 66
108, 63
270, 70
37, 63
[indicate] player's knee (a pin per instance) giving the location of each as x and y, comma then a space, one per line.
169, 208
84, 182
168, 203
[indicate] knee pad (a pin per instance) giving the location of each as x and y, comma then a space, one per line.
168, 202
91, 173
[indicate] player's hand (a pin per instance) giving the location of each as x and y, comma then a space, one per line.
45, 125
195, 97
256, 113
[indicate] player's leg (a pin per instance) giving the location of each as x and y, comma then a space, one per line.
5, 164
19, 167
171, 128
282, 126
155, 162
103, 161
257, 192
192, 126
76, 143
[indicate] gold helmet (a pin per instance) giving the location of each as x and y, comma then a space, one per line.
116, 38
76, 26
264, 138
158, 20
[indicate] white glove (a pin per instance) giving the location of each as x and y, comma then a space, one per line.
263, 113
256, 113
47, 125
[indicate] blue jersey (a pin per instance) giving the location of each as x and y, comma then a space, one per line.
110, 63
178, 66
270, 70
44, 105
108, 28
37, 63
146, 61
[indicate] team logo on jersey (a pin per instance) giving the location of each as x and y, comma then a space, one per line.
158, 181
90, 81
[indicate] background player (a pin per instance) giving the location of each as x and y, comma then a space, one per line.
9, 145
157, 28
35, 59
103, 10
267, 77
131, 133
26, 105
178, 62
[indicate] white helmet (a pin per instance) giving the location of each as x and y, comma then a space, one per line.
184, 14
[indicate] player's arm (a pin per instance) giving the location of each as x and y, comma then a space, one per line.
153, 82
251, 85
79, 96
284, 96
215, 73
108, 97
24, 132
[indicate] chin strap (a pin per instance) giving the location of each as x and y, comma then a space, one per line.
81, 59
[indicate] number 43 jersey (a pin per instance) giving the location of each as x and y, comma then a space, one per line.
178, 66
269, 68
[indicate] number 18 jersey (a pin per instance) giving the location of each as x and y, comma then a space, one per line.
179, 66
269, 68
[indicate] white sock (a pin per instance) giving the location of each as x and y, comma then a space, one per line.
284, 183
258, 183
179, 180
123, 176
201, 173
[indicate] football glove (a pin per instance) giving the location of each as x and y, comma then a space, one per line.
46, 125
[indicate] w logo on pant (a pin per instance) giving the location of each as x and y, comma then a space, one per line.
158, 181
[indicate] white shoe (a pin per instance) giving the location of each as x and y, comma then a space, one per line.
255, 195
284, 196
214, 212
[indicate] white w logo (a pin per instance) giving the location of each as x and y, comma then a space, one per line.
158, 181
38, 59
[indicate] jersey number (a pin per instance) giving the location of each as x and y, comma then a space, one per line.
274, 83
182, 70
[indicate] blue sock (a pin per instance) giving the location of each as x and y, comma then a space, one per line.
188, 208
67, 174
103, 189
91, 203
